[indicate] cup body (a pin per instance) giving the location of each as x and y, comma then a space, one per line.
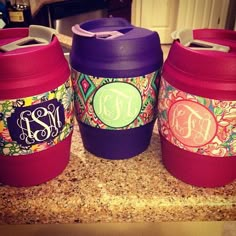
197, 111
115, 73
36, 109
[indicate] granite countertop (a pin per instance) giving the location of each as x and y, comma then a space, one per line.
93, 189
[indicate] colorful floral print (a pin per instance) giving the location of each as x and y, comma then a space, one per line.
197, 124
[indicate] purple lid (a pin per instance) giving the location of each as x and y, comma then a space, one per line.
112, 47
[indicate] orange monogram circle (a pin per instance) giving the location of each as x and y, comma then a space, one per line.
192, 123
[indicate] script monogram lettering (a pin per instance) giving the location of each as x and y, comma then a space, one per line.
38, 123
117, 104
121, 102
192, 123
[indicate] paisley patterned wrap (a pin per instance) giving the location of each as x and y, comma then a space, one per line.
115, 103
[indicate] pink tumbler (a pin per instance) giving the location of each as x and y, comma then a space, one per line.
36, 106
197, 107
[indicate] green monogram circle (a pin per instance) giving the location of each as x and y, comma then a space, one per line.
117, 104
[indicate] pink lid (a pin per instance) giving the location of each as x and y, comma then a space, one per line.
206, 73
30, 69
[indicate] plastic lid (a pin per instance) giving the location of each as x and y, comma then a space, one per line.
112, 47
204, 70
186, 38
31, 62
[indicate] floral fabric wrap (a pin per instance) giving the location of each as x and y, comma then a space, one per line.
197, 124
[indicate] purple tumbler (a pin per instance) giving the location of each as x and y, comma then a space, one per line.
115, 69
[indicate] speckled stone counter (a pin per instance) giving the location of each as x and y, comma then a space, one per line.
93, 190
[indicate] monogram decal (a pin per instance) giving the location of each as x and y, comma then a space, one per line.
37, 123
117, 104
191, 123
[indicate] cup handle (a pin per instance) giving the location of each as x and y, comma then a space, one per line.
38, 35
186, 38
